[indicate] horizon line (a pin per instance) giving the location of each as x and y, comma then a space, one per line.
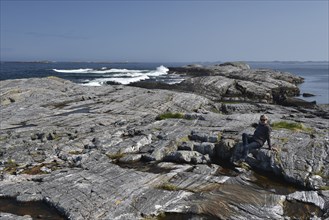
219, 61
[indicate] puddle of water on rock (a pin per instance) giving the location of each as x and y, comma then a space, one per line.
223, 171
81, 110
273, 183
225, 168
145, 167
299, 210
181, 216
36, 209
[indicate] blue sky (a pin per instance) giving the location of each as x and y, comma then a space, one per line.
171, 31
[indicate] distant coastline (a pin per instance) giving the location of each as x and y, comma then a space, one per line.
315, 73
132, 62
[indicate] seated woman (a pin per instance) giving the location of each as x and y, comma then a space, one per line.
257, 140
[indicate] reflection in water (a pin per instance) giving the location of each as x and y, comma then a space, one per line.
272, 183
298, 210
180, 216
37, 209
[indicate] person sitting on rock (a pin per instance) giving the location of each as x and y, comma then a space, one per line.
257, 140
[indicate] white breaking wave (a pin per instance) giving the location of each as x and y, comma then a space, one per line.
122, 76
73, 71
161, 70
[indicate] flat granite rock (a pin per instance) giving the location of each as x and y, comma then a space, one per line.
104, 153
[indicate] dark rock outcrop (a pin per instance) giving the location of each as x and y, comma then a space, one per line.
235, 81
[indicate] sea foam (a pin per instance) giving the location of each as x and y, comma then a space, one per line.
122, 76
73, 71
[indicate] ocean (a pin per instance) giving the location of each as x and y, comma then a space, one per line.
316, 74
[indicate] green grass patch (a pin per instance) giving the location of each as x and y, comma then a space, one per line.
11, 166
3, 138
168, 115
169, 187
115, 156
219, 136
183, 139
324, 187
75, 152
293, 126
160, 216
36, 170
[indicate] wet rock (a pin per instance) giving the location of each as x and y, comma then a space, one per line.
305, 94
307, 197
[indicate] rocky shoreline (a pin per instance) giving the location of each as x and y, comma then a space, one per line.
156, 151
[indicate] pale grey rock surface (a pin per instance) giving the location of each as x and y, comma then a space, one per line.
9, 216
82, 149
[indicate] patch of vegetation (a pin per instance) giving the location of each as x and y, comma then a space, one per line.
300, 210
168, 115
3, 138
169, 187
169, 98
321, 172
160, 216
75, 152
11, 166
219, 136
245, 166
277, 158
182, 140
293, 126
324, 188
284, 139
13, 91
316, 145
115, 156
52, 77
171, 147
34, 170
37, 169
216, 110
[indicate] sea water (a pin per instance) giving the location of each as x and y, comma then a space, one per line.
91, 74
316, 74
